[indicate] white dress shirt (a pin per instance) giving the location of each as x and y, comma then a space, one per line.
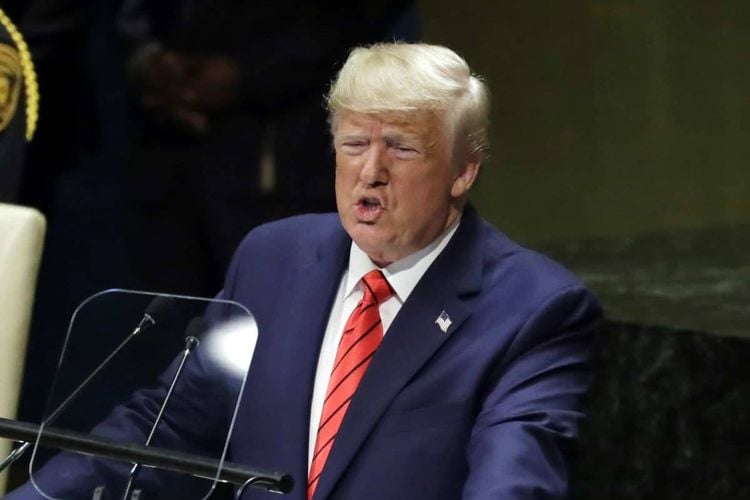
402, 275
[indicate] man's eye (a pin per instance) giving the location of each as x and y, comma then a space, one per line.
353, 146
404, 152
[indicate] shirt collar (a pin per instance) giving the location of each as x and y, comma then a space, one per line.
403, 275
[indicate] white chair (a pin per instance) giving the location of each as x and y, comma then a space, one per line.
21, 241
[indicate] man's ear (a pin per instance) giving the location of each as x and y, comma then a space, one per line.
465, 177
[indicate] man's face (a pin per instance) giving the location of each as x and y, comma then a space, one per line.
397, 184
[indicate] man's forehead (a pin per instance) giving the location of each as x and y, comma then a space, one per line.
406, 122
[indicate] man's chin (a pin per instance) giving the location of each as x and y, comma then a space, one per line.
370, 239
366, 238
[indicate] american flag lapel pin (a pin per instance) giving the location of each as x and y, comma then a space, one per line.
443, 322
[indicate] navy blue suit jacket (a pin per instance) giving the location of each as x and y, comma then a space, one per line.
487, 410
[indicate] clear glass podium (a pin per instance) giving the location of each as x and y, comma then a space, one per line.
148, 386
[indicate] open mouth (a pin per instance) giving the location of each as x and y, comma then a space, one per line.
369, 203
368, 209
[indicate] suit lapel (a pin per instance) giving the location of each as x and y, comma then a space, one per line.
303, 326
410, 342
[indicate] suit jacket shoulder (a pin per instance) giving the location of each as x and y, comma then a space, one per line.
271, 251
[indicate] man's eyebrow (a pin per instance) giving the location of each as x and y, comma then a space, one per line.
396, 137
400, 134
350, 136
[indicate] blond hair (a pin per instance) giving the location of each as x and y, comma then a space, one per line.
411, 77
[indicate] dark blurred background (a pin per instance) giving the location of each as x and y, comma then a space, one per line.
610, 117
619, 146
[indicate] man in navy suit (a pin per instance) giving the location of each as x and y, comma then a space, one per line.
473, 387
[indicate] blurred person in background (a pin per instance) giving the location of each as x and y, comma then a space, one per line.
232, 126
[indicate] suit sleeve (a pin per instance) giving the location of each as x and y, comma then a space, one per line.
525, 433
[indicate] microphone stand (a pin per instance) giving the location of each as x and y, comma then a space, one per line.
186, 463
146, 322
190, 344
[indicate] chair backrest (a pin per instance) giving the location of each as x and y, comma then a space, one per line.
21, 241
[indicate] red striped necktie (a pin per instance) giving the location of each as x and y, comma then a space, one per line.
362, 335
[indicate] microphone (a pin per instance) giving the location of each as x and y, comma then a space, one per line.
159, 308
195, 329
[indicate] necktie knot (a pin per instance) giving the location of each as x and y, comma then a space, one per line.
377, 288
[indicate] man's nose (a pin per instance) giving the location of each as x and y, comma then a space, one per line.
375, 169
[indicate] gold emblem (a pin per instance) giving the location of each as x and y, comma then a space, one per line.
10, 83
29, 77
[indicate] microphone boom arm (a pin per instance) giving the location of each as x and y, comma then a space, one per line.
186, 463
